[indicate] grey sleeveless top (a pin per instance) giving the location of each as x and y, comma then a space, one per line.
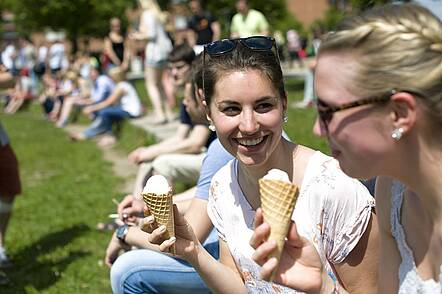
409, 279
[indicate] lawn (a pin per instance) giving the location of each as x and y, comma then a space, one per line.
67, 189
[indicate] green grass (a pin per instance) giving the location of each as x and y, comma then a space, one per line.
300, 121
67, 189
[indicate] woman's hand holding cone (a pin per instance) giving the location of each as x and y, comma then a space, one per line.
186, 243
300, 266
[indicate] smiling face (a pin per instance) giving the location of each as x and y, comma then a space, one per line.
247, 112
359, 138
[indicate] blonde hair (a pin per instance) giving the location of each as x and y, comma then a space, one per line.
117, 74
71, 75
153, 6
395, 47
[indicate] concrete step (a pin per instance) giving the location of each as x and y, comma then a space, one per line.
159, 131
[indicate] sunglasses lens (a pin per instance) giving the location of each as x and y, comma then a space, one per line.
258, 43
220, 47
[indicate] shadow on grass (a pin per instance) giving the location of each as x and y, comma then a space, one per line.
34, 267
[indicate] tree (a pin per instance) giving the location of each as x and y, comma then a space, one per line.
366, 4
75, 17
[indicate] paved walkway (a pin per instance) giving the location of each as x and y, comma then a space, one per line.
160, 132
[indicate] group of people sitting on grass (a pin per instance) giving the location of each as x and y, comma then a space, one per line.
378, 80
105, 98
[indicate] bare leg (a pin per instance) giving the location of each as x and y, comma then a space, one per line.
66, 109
144, 172
14, 105
6, 203
169, 88
152, 79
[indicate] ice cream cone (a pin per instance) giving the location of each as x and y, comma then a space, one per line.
161, 207
158, 197
278, 200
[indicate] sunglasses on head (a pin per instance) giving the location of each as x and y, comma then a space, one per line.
255, 43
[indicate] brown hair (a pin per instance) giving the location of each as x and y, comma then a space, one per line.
241, 58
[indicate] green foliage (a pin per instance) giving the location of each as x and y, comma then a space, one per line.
334, 15
361, 5
330, 20
275, 12
76, 17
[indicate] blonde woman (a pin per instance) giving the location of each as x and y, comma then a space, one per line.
379, 86
157, 50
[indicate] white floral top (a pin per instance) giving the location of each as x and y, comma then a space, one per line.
332, 211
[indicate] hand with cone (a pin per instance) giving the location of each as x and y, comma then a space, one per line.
299, 266
184, 241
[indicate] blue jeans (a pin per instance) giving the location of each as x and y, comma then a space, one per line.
145, 271
104, 118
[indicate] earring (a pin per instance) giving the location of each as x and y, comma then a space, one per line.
397, 134
285, 118
212, 127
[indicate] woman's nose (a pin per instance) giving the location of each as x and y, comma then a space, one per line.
318, 129
248, 123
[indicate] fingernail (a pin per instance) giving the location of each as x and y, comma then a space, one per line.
150, 219
162, 229
172, 240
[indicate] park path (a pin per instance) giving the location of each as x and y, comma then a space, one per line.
121, 166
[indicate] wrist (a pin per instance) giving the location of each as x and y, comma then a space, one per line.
195, 254
121, 233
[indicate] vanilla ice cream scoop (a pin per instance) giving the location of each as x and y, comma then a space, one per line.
157, 184
277, 174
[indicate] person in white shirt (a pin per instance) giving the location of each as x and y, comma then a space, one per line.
123, 103
246, 103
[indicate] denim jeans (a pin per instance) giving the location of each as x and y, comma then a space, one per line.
145, 271
104, 118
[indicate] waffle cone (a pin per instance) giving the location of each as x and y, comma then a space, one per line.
278, 200
161, 207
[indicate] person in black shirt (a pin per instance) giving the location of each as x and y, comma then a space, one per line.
204, 24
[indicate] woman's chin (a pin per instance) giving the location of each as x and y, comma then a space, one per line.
250, 160
354, 171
